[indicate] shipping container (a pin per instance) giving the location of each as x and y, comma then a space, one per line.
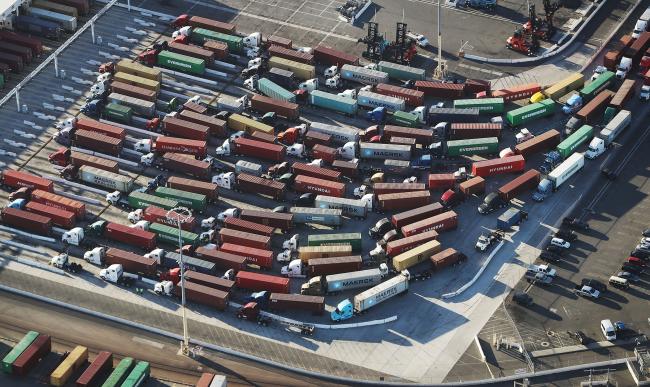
177, 127
216, 126
441, 181
243, 166
61, 202
248, 125
592, 112
369, 150
27, 221
441, 222
405, 119
264, 137
334, 102
530, 112
13, 61
300, 70
474, 86
133, 91
260, 257
97, 142
258, 149
155, 214
623, 94
325, 153
315, 171
235, 43
257, 241
334, 265
290, 54
340, 134
416, 255
441, 89
347, 168
143, 200
281, 302
212, 25
119, 373
248, 226
410, 96
445, 258
461, 131
100, 367
56, 7
82, 6
336, 283
131, 262
116, 112
374, 100
543, 142
136, 80
210, 281
407, 217
353, 239
397, 167
612, 58
363, 75
138, 375
36, 26
33, 43
572, 82
179, 62
254, 184
69, 23
204, 295
193, 51
484, 105
171, 259
274, 40
77, 358
498, 166
282, 78
579, 137
526, 181
131, 236
223, 261
165, 144
288, 110
112, 181
328, 56
473, 186
318, 186
389, 188
403, 141
517, 93
220, 49
139, 106
422, 136
182, 163
194, 201
273, 90
599, 84
25, 53
100, 127
403, 201
259, 282
60, 217
18, 349
305, 253
139, 70
268, 218
322, 216
398, 246
18, 179
169, 235
401, 72
475, 146
437, 115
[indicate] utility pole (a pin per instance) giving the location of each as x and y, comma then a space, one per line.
440, 71
180, 215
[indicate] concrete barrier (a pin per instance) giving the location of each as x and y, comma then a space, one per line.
476, 277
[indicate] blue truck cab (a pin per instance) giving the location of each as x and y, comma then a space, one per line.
573, 104
18, 203
344, 310
422, 162
377, 114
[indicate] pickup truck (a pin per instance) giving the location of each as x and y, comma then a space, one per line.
485, 241
544, 269
538, 278
586, 291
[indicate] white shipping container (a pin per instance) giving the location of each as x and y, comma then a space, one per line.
247, 167
340, 134
382, 292
69, 23
106, 179
567, 169
363, 75
375, 100
353, 280
615, 126
353, 207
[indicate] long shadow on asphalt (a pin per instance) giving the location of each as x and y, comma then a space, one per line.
566, 266
559, 290
540, 310
220, 369
607, 303
615, 297
638, 294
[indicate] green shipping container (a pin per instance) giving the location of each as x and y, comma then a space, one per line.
169, 235
119, 373
2, 81
405, 119
182, 63
192, 200
353, 239
473, 146
119, 113
235, 43
143, 200
17, 350
597, 85
530, 112
275, 91
333, 102
401, 72
580, 136
138, 375
484, 105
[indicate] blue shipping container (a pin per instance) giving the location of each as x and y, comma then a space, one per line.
36, 26
333, 102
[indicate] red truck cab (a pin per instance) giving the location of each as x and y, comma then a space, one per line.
61, 157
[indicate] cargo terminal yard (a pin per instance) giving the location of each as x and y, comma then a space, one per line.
356, 219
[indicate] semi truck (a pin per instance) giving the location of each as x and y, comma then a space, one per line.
559, 176
357, 208
335, 283
164, 144
608, 134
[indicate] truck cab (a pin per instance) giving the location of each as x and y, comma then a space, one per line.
644, 95
344, 310
95, 256
224, 180
313, 287
253, 40
61, 157
491, 202
74, 236
623, 67
348, 151
544, 188
291, 243
293, 270
573, 104
164, 288
377, 115
596, 148
115, 274
572, 125
229, 213
334, 82
309, 85
143, 146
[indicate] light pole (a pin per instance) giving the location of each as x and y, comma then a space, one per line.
178, 216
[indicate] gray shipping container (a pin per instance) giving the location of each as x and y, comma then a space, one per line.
69, 23
106, 179
247, 167
139, 106
375, 100
353, 280
369, 150
340, 134
194, 264
230, 104
323, 216
284, 78
453, 115
363, 75
401, 72
350, 207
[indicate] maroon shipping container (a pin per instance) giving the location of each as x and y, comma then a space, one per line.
258, 149
210, 190
79, 159
17, 179
404, 200
638, 47
403, 141
441, 222
516, 93
185, 129
260, 257
328, 56
210, 281
422, 136
623, 94
213, 25
25, 53
473, 186
24, 220
545, 141
100, 127
325, 153
334, 265
347, 168
592, 112
314, 304
228, 235
248, 226
204, 295
525, 181
223, 260
318, 186
131, 236
61, 218
58, 201
220, 49
188, 165
396, 247
181, 145
288, 53
100, 366
445, 258
263, 104
441, 90
5, 70
278, 41
611, 59
264, 137
37, 350
312, 138
268, 218
473, 86
416, 214
131, 262
258, 282
217, 127
205, 380
155, 214
498, 166
410, 96
315, 171
133, 91
193, 51
82, 6
460, 131
253, 184
34, 44
192, 106
390, 188
441, 181
13, 61
97, 142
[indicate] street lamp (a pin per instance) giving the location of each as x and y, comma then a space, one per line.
178, 216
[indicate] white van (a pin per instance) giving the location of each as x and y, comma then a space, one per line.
608, 330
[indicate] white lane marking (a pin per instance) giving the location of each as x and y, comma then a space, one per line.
463, 65
329, 33
152, 343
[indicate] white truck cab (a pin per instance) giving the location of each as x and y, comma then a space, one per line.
644, 95
331, 71
95, 256
253, 40
143, 146
360, 191
291, 243
224, 180
142, 225
224, 149
348, 151
229, 213
334, 82
293, 270
296, 150
59, 261
349, 93
113, 198
74, 236
284, 256
623, 67
309, 85
523, 135
164, 288
596, 148
421, 113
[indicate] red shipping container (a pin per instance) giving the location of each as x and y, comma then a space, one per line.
204, 295
155, 214
185, 129
288, 53
220, 49
165, 144
324, 152
212, 25
131, 236
37, 350
403, 200
210, 281
82, 6
205, 380
540, 143
331, 57
440, 89
264, 104
58, 201
25, 220
224, 261
201, 187
61, 218
182, 163
422, 136
445, 258
259, 185
279, 41
441, 222
473, 86
312, 138
193, 51
464, 130
516, 93
33, 43
473, 186
260, 257
279, 220
525, 181
498, 166
97, 142
399, 246
191, 106
258, 149
100, 127
131, 262
389, 188
257, 241
318, 186
133, 91
416, 214
248, 226
265, 137
100, 366
17, 179
347, 168
441, 180
315, 171
258, 282
410, 96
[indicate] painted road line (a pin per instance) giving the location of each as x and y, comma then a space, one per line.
470, 67
151, 343
466, 11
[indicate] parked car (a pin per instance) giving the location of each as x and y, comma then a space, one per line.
637, 261
632, 268
643, 254
646, 233
575, 223
555, 249
550, 256
559, 242
628, 276
601, 287
567, 235
523, 299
